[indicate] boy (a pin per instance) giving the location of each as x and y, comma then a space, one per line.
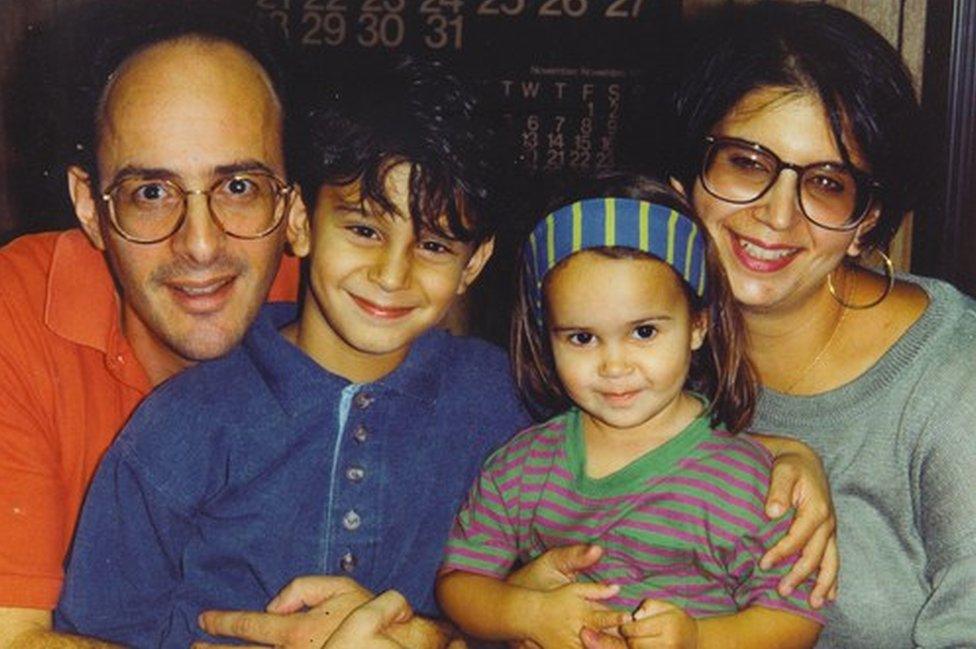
343, 443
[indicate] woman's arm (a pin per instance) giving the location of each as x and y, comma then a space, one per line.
943, 484
798, 480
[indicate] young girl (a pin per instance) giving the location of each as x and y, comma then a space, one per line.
625, 322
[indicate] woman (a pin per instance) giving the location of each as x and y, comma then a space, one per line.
799, 123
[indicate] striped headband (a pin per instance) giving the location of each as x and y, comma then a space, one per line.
597, 222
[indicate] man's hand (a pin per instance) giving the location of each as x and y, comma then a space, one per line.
366, 625
798, 480
304, 614
557, 567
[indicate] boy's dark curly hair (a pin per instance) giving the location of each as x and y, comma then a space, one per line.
401, 110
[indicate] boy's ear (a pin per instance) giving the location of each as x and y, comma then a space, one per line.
86, 208
699, 328
476, 264
297, 230
868, 224
678, 187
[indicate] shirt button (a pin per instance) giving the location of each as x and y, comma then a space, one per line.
348, 562
362, 400
355, 474
351, 521
360, 434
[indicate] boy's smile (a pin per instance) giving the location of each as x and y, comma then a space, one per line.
376, 281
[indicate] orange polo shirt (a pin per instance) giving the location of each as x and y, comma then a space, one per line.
68, 382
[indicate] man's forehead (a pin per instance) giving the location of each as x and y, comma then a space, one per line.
190, 56
191, 103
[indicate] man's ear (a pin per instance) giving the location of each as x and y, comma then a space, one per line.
678, 186
86, 207
297, 229
868, 224
699, 328
476, 264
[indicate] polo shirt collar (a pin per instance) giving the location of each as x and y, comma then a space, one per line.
81, 303
294, 378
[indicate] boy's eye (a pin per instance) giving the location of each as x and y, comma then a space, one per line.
581, 338
363, 231
436, 247
645, 332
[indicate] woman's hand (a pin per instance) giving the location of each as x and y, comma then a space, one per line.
798, 480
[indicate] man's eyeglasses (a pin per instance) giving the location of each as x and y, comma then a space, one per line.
831, 195
246, 205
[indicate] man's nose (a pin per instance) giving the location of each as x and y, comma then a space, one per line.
200, 237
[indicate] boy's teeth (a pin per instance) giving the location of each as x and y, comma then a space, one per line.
764, 253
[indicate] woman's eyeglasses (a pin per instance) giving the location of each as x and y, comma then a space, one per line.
832, 195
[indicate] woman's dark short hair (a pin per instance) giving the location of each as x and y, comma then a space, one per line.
859, 77
400, 110
719, 370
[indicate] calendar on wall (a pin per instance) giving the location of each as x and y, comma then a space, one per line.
564, 73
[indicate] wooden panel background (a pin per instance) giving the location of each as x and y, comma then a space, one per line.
901, 21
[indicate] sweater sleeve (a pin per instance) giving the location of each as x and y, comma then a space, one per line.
944, 484
126, 558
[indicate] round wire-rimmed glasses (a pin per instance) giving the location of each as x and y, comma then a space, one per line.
831, 195
247, 205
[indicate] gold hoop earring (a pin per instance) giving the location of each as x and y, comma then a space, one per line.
889, 270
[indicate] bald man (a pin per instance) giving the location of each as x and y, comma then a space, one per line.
184, 213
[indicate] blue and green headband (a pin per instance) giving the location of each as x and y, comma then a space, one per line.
601, 222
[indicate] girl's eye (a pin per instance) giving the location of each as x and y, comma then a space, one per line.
580, 338
645, 332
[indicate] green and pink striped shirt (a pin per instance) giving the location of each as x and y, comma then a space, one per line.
683, 523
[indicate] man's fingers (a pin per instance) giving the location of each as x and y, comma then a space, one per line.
388, 608
365, 626
207, 645
266, 628
827, 575
310, 591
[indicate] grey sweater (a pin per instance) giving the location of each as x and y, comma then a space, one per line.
899, 447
